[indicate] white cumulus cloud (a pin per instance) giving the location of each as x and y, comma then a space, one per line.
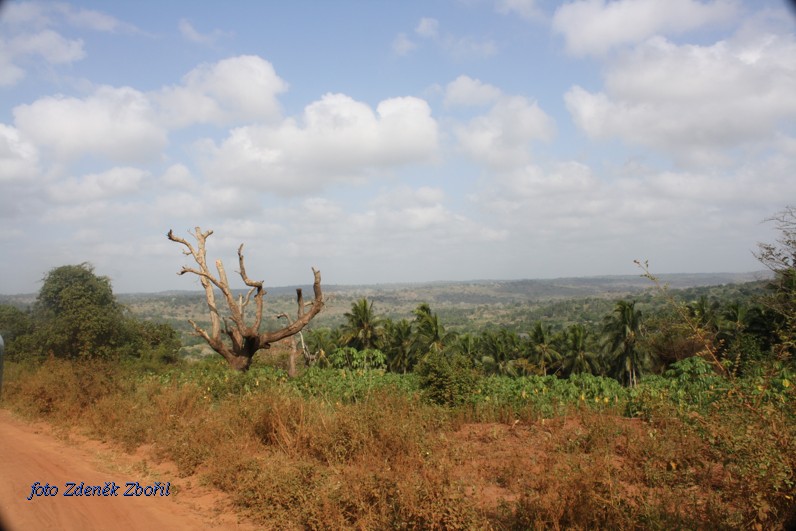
19, 160
337, 138
117, 123
694, 102
501, 138
594, 27
241, 89
466, 91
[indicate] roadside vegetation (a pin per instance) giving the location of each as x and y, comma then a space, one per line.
678, 414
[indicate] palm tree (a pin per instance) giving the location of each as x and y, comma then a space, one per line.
398, 345
705, 313
430, 335
321, 342
621, 331
362, 329
544, 350
466, 345
578, 357
733, 322
499, 350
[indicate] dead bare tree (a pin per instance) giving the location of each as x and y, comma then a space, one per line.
244, 340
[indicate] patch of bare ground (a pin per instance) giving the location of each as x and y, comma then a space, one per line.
38, 452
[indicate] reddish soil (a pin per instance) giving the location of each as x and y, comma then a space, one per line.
498, 462
32, 452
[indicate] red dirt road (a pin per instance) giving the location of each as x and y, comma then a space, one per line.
29, 453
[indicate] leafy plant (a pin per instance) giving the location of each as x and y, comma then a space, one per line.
447, 378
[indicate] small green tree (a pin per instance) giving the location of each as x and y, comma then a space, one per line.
447, 378
76, 314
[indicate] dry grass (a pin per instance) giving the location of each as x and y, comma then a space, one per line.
391, 461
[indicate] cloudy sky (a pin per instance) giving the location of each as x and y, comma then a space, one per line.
393, 141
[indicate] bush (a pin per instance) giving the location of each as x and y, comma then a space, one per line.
447, 378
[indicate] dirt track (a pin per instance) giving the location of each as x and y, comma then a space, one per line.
30, 453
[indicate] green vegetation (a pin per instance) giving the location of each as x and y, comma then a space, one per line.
76, 316
676, 409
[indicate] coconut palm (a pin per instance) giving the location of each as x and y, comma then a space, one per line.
398, 345
578, 357
362, 329
706, 313
430, 335
499, 350
466, 345
544, 350
621, 330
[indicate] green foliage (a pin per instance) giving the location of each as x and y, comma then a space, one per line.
499, 351
76, 315
322, 341
430, 334
216, 382
355, 360
780, 258
397, 345
343, 386
14, 323
622, 330
148, 340
447, 378
547, 396
579, 357
362, 329
545, 352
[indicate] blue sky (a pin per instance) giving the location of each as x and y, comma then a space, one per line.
393, 141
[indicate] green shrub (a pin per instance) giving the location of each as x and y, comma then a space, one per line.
447, 379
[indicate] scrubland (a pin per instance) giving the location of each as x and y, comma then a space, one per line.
336, 449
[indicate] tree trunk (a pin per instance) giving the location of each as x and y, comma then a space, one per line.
291, 364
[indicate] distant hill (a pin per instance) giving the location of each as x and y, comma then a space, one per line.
473, 291
465, 305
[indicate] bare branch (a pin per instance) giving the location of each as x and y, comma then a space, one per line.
245, 340
257, 286
301, 322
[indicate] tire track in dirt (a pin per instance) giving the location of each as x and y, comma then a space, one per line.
29, 454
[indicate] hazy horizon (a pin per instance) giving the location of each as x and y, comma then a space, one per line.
393, 142
237, 286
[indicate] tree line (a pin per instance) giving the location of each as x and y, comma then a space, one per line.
624, 346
